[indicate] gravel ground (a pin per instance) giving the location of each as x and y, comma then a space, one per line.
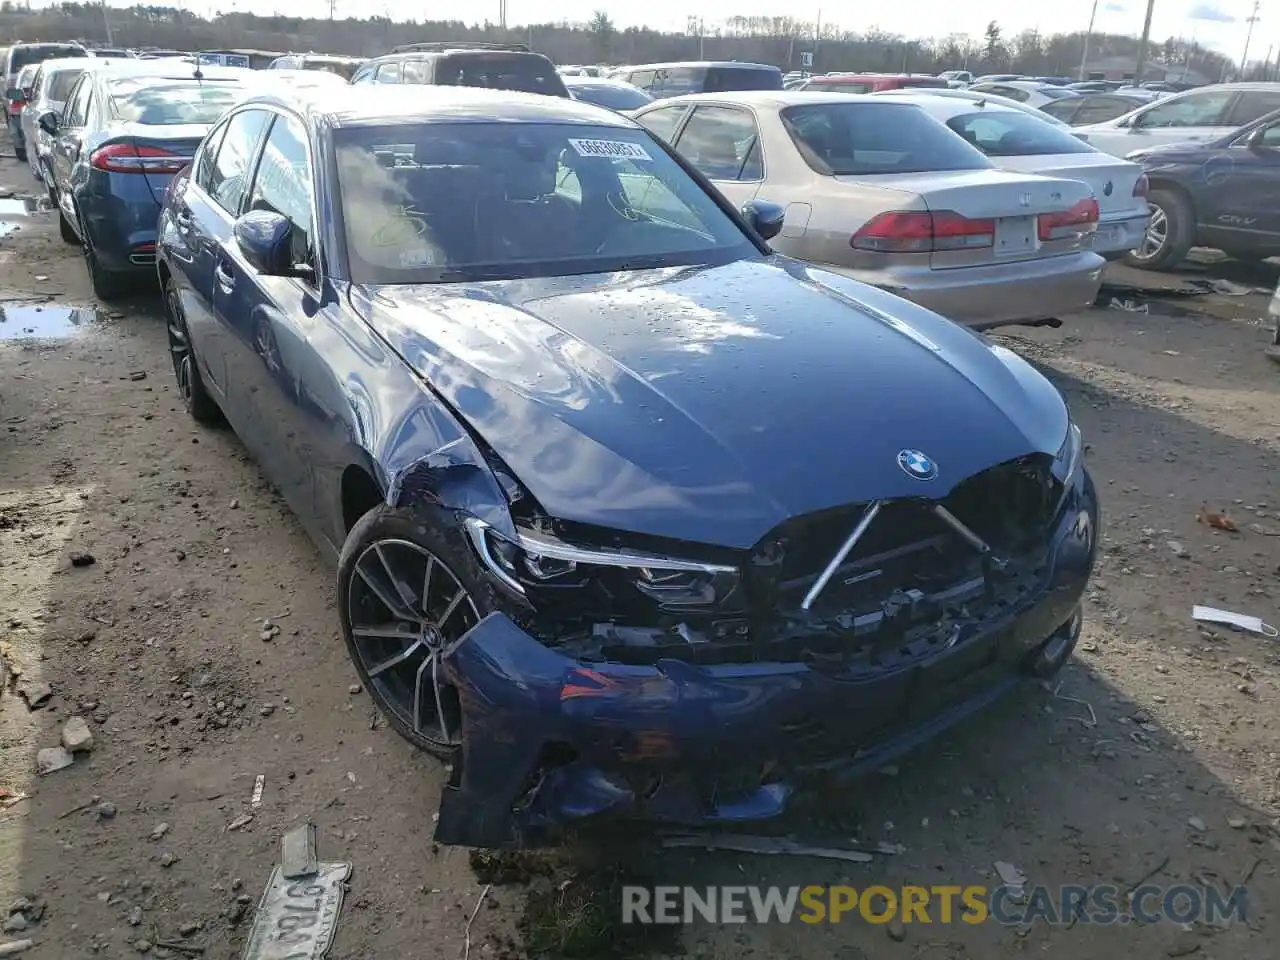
1158, 752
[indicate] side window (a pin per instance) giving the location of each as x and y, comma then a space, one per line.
364, 75
1206, 109
229, 177
283, 182
1100, 109
415, 71
37, 82
73, 114
662, 123
1252, 105
1066, 108
209, 150
1013, 93
1271, 136
642, 79
683, 80
723, 143
389, 73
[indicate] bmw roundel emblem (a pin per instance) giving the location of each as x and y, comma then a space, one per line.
916, 465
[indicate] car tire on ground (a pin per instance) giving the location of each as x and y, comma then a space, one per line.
1169, 235
107, 284
405, 541
66, 231
186, 370
20, 152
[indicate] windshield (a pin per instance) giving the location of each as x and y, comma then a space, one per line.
863, 139
1006, 133
60, 84
343, 68
613, 96
524, 72
723, 79
445, 202
166, 102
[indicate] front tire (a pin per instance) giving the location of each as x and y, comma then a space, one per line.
409, 589
1170, 232
186, 370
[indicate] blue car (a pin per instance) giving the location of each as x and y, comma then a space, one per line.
1222, 193
632, 517
122, 134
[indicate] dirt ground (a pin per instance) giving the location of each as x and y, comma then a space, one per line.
1157, 756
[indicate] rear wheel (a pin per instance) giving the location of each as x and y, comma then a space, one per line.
65, 229
107, 284
202, 407
1169, 234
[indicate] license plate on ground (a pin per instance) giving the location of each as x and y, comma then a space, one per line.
296, 919
1015, 235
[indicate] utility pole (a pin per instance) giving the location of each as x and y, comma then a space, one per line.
1084, 57
817, 38
1142, 44
333, 9
1248, 37
106, 22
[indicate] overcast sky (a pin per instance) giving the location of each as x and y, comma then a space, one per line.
1220, 24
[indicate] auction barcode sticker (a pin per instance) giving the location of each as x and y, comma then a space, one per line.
613, 149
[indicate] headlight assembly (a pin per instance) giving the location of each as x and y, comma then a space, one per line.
1070, 456
533, 564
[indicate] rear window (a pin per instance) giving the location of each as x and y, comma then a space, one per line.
933, 82
160, 102
1056, 93
1013, 134
61, 82
501, 71
723, 79
40, 52
613, 96
865, 139
834, 86
345, 69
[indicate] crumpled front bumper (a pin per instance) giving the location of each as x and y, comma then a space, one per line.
549, 740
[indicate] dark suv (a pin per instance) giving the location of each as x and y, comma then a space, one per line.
499, 66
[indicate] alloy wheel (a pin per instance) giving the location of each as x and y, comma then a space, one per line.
1156, 237
408, 611
179, 347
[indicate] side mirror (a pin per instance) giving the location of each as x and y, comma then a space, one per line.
1258, 139
48, 122
263, 237
765, 218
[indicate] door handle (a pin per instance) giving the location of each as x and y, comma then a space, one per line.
225, 280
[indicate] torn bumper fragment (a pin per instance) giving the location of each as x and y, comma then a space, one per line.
549, 739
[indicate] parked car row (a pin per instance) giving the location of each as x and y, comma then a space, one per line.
492, 349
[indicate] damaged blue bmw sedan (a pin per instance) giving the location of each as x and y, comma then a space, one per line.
633, 518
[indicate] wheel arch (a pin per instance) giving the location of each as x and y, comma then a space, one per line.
1169, 185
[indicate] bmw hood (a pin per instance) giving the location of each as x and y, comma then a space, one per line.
709, 404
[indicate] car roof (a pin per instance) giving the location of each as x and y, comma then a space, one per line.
582, 80
461, 48
350, 106
674, 64
777, 98
169, 69
954, 106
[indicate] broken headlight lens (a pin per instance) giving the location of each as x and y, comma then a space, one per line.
532, 563
1070, 456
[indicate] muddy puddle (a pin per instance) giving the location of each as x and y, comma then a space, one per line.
38, 322
13, 210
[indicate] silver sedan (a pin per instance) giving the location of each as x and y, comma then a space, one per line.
877, 189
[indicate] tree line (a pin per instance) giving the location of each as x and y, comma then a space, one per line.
777, 40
